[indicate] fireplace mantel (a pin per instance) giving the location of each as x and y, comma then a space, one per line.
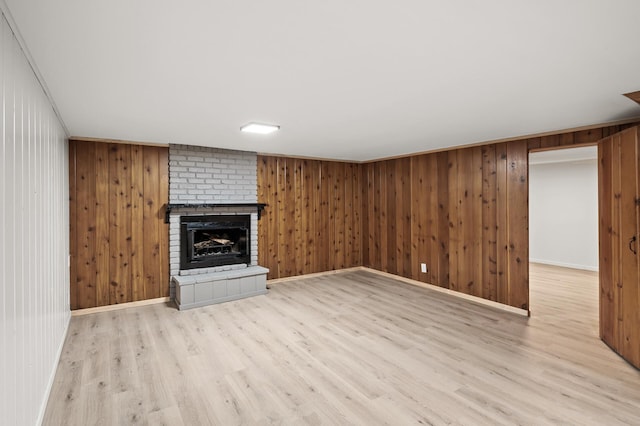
211, 207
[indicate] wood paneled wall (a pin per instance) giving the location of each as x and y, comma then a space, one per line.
119, 241
463, 212
313, 219
450, 211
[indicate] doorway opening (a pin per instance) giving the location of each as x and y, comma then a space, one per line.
563, 237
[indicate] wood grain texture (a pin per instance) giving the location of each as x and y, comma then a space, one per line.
606, 236
634, 96
84, 204
102, 224
138, 216
619, 211
463, 212
377, 351
313, 219
628, 237
461, 205
469, 215
120, 240
152, 225
518, 224
118, 193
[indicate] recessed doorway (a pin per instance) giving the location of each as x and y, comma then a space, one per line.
563, 237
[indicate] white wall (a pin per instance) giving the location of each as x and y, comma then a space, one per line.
34, 222
563, 213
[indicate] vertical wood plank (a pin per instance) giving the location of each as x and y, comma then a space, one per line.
431, 218
444, 220
405, 248
283, 222
502, 236
372, 203
120, 223
383, 211
616, 241
489, 225
357, 208
374, 216
466, 204
86, 226
605, 246
101, 166
307, 213
151, 214
290, 214
348, 208
477, 255
518, 224
314, 199
338, 212
298, 205
138, 273
416, 223
398, 220
391, 231
454, 221
325, 232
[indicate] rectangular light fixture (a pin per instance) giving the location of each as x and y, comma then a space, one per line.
263, 129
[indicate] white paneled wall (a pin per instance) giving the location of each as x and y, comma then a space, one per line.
34, 222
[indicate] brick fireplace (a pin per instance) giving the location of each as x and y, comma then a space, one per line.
211, 188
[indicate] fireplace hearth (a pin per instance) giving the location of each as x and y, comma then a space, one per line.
214, 240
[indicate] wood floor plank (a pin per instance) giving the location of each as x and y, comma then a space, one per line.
350, 348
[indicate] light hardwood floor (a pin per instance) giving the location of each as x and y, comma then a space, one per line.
351, 348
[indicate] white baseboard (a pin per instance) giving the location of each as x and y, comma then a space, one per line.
117, 307
476, 299
469, 297
314, 275
565, 265
52, 377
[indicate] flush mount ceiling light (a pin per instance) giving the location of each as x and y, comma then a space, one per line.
263, 129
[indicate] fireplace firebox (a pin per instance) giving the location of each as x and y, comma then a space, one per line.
214, 240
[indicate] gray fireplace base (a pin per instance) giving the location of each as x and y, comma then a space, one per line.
193, 291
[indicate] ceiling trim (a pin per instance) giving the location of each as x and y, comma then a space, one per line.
120, 141
489, 142
518, 138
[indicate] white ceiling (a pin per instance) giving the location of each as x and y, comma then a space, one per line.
352, 80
